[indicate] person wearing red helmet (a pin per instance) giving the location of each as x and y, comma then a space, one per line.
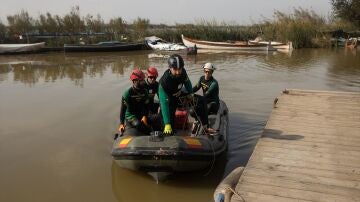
134, 105
152, 86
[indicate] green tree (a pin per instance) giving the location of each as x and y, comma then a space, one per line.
348, 10
140, 26
21, 23
94, 24
2, 32
72, 22
47, 24
117, 27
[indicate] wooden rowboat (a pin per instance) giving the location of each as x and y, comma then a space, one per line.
277, 45
237, 45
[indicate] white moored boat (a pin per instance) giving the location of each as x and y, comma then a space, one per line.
157, 43
237, 45
21, 48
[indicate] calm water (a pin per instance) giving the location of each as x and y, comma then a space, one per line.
58, 113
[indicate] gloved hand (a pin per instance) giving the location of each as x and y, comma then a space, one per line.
167, 129
144, 120
121, 128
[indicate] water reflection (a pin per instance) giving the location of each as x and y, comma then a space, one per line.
195, 186
30, 69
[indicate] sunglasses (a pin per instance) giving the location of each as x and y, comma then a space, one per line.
151, 77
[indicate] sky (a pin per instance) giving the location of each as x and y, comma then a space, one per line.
242, 12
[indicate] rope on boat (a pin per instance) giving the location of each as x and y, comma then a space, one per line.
212, 160
234, 192
192, 104
189, 105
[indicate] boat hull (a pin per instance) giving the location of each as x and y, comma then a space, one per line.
243, 46
276, 45
156, 43
103, 48
21, 48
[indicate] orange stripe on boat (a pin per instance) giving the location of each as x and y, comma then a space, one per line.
193, 143
124, 142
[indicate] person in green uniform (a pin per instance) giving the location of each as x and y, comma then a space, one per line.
210, 88
152, 86
170, 89
134, 105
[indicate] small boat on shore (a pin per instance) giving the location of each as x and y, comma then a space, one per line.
157, 43
351, 43
189, 149
236, 45
104, 47
21, 48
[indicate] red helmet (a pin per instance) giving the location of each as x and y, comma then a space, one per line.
152, 71
137, 74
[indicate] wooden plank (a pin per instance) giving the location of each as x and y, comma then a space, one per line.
259, 197
293, 193
306, 164
306, 132
343, 131
293, 138
312, 138
329, 150
303, 142
308, 154
310, 159
314, 121
300, 177
311, 106
355, 117
322, 93
331, 100
288, 183
306, 171
309, 150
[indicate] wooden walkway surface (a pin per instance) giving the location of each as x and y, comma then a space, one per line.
309, 150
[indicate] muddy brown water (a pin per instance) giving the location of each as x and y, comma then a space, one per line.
58, 113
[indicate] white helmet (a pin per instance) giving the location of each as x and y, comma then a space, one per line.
209, 66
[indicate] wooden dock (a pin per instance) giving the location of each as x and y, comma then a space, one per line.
309, 150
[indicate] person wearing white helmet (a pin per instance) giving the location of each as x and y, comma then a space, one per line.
210, 88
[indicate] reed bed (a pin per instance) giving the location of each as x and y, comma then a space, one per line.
304, 28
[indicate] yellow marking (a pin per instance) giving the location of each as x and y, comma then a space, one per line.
193, 142
124, 142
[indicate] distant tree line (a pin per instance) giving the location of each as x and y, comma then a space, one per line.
303, 27
71, 24
347, 10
